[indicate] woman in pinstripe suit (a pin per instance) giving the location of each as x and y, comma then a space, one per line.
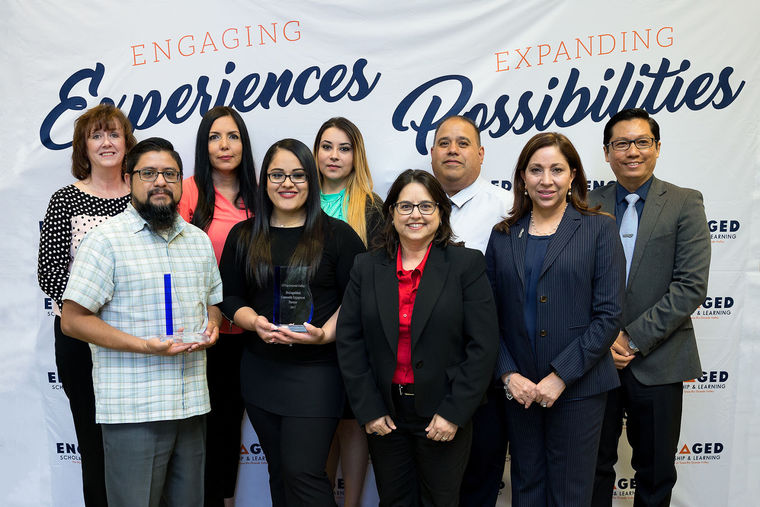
557, 270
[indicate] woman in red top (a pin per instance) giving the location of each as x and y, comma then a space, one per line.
220, 194
417, 338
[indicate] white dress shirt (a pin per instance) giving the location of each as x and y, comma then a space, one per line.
476, 209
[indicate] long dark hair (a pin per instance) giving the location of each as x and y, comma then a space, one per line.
255, 244
388, 237
246, 171
578, 188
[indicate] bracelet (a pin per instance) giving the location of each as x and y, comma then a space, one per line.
507, 392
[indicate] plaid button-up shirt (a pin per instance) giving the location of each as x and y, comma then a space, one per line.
118, 274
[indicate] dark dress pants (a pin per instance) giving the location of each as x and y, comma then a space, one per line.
412, 470
296, 449
554, 451
485, 468
223, 422
653, 427
74, 363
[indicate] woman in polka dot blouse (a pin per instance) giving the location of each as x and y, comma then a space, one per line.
102, 137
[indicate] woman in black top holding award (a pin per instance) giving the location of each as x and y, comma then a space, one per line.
287, 267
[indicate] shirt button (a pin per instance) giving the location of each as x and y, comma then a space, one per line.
419, 364
543, 299
404, 315
543, 332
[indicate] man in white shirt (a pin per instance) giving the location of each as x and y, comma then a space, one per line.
477, 205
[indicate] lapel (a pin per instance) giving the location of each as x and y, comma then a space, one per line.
570, 222
431, 287
607, 198
518, 235
386, 293
656, 198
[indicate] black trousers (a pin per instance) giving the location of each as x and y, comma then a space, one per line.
412, 470
223, 422
296, 449
485, 468
74, 363
653, 427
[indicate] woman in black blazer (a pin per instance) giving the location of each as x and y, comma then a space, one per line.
417, 339
557, 269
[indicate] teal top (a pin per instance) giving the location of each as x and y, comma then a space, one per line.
332, 204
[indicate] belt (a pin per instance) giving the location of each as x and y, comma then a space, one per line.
404, 389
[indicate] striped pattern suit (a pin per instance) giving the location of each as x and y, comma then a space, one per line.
580, 291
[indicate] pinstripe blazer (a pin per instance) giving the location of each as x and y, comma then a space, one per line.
580, 297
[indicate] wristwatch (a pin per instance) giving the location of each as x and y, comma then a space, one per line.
507, 392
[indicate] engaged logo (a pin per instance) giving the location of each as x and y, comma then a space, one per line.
715, 307
699, 452
67, 451
47, 307
53, 381
708, 382
624, 488
722, 231
252, 455
505, 184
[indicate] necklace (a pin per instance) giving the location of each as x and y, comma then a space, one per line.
532, 229
286, 226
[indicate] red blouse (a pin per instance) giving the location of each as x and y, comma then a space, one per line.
408, 283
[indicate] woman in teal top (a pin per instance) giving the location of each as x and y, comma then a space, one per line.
346, 194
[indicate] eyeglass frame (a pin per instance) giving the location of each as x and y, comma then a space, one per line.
435, 207
287, 176
162, 173
633, 142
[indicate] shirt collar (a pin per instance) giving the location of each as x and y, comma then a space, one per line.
460, 198
420, 267
642, 191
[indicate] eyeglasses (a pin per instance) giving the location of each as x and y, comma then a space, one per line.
170, 175
642, 143
425, 207
279, 178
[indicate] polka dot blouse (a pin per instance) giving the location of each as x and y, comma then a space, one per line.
71, 213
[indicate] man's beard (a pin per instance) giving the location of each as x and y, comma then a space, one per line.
160, 217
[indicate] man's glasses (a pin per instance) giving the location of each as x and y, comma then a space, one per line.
170, 175
642, 143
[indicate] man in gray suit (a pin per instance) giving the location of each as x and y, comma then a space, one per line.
667, 244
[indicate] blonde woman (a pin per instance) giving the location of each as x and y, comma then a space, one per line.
346, 194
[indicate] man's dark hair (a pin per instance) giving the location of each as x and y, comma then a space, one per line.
458, 117
151, 144
633, 113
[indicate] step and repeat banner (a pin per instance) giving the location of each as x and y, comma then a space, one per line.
395, 69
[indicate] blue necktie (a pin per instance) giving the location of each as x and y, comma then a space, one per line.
629, 226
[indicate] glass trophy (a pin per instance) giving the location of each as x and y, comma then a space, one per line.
293, 304
181, 337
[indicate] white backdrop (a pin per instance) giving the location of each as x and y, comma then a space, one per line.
394, 69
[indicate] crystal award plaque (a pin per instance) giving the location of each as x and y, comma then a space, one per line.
181, 337
293, 304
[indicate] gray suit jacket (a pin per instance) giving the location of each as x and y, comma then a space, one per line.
667, 281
